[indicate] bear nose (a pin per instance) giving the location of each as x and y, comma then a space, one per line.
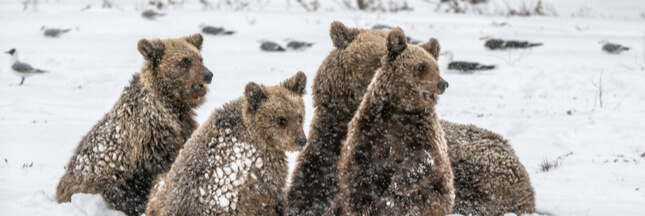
208, 77
301, 141
442, 85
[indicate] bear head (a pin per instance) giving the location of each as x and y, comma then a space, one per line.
276, 113
413, 72
175, 68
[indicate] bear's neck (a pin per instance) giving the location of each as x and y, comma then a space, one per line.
167, 95
383, 99
275, 160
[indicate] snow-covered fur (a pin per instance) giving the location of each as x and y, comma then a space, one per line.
235, 164
142, 134
489, 178
395, 159
338, 89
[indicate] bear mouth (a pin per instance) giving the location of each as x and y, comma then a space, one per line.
430, 96
199, 87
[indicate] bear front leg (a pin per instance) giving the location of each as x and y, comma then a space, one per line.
361, 182
414, 172
115, 194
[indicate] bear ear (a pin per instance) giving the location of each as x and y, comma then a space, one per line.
296, 84
433, 47
152, 51
396, 43
196, 40
255, 96
341, 36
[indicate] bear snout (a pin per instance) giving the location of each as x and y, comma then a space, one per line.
442, 85
208, 76
301, 141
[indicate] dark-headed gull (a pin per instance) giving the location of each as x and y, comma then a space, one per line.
22, 69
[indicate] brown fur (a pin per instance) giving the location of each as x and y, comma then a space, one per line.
344, 75
235, 164
395, 159
142, 134
487, 171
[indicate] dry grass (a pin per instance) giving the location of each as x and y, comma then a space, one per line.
548, 165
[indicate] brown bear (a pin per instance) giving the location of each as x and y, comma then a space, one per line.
338, 89
351, 66
395, 159
143, 133
235, 163
489, 178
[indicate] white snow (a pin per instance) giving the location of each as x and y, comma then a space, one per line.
526, 99
81, 205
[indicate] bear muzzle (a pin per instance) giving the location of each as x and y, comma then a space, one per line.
301, 141
442, 85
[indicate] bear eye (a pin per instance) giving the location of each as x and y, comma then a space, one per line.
422, 68
282, 122
299, 118
185, 63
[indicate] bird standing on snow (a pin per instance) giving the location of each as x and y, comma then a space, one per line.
448, 65
53, 32
212, 30
387, 27
297, 45
413, 41
270, 46
151, 14
22, 69
613, 48
499, 44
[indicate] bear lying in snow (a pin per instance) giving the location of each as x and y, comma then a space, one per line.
143, 133
395, 159
235, 163
489, 178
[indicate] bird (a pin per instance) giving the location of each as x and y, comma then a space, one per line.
212, 30
413, 41
448, 65
297, 45
499, 44
54, 32
270, 46
613, 48
151, 14
382, 27
387, 27
22, 69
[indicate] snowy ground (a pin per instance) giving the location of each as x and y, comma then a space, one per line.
527, 99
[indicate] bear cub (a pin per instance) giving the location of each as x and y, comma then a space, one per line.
235, 163
395, 159
338, 89
143, 133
